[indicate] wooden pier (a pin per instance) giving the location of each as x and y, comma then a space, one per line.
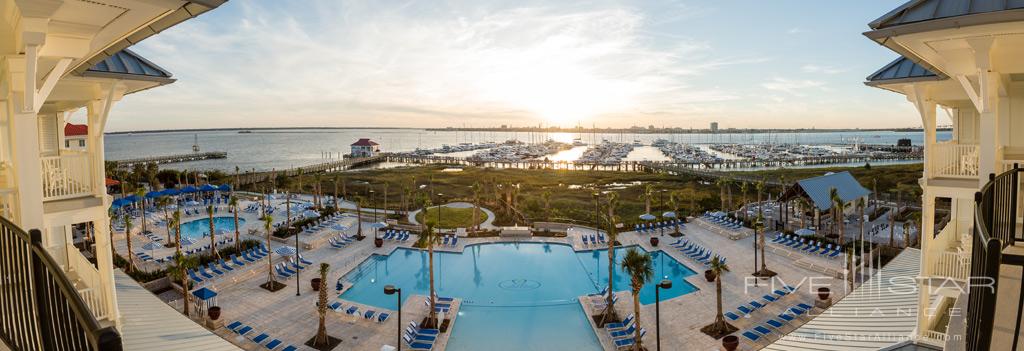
323, 167
196, 156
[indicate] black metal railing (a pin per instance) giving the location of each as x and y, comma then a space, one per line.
995, 228
41, 310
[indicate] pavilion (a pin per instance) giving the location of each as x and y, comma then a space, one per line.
817, 192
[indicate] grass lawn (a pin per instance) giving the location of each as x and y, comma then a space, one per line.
452, 217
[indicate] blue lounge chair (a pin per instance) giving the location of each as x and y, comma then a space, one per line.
260, 338
289, 348
627, 331
225, 265
213, 269
382, 317
234, 325
775, 324
335, 306
419, 330
744, 309
786, 317
732, 316
757, 305
192, 275
304, 261
623, 324
243, 330
369, 314
804, 306
751, 336
273, 344
769, 298
762, 330
202, 271
236, 261
624, 342
419, 337
284, 267
415, 345
796, 311
352, 310
834, 254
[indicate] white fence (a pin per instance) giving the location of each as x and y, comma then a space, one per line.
954, 160
66, 176
87, 281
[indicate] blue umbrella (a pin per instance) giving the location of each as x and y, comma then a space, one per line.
285, 251
204, 294
119, 203
647, 217
378, 225
132, 198
803, 232
208, 187
171, 191
225, 187
153, 194
189, 189
339, 227
152, 245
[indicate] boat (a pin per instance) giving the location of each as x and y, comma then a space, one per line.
245, 132
578, 142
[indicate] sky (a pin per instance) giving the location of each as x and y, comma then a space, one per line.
485, 63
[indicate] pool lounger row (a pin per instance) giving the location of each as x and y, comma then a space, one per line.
271, 343
758, 332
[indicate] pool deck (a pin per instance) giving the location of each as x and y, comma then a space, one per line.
293, 319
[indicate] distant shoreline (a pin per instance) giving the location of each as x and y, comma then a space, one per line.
542, 130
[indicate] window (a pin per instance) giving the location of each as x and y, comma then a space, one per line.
81, 143
67, 143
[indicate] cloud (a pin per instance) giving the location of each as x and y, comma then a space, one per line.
811, 68
795, 30
326, 63
793, 87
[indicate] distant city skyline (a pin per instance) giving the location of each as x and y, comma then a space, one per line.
780, 64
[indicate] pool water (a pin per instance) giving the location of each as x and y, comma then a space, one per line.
200, 228
516, 296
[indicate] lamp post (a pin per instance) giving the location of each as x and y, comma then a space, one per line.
391, 290
298, 292
664, 284
440, 202
370, 194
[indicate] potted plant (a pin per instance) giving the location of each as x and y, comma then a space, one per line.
709, 275
316, 283
654, 241
378, 241
823, 293
213, 312
730, 342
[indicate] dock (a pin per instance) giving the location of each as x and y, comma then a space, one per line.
195, 156
323, 167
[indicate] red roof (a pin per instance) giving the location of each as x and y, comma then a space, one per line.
364, 142
75, 129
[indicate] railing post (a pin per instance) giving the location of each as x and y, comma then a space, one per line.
1012, 212
40, 291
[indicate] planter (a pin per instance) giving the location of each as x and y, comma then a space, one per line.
823, 293
378, 242
730, 342
654, 241
213, 312
709, 275
316, 284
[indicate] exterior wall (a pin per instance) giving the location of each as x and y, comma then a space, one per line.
74, 143
364, 151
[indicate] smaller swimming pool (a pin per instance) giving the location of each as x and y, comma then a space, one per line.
200, 228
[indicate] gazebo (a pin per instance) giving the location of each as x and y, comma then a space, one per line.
817, 191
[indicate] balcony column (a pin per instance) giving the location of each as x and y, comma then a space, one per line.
105, 262
927, 253
98, 111
28, 169
926, 108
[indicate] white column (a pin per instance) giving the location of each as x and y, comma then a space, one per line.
105, 262
928, 224
28, 170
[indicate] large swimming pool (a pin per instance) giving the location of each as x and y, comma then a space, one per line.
200, 228
516, 296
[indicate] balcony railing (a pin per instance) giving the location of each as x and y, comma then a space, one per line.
953, 160
41, 309
87, 283
995, 228
67, 176
950, 265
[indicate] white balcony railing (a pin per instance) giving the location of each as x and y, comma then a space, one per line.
86, 280
67, 176
948, 264
953, 160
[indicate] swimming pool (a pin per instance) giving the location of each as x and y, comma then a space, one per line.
516, 296
200, 228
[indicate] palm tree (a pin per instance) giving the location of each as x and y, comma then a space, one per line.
861, 205
176, 219
321, 308
128, 239
161, 203
179, 272
640, 269
801, 205
759, 230
359, 217
213, 235
744, 186
672, 204
545, 197
840, 208
476, 205
613, 201
759, 186
336, 180
430, 239
267, 224
233, 205
722, 183
720, 326
141, 194
648, 192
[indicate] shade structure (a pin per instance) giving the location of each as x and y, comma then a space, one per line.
803, 232
285, 251
208, 187
378, 225
171, 192
131, 198
669, 214
153, 194
204, 294
189, 189
647, 217
224, 187
152, 245
119, 203
339, 227
186, 241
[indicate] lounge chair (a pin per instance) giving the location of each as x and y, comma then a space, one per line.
234, 325
213, 269
804, 306
369, 314
622, 332
786, 316
625, 342
419, 330
273, 344
243, 330
751, 336
623, 324
415, 345
382, 317
260, 338
335, 306
352, 311
225, 265
731, 316
762, 330
192, 275
757, 305
289, 348
744, 309
419, 337
304, 261
775, 323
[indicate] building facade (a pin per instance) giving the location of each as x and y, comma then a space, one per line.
365, 148
74, 136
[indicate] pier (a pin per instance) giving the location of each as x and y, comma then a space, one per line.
323, 167
196, 156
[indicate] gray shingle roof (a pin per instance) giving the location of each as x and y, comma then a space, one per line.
819, 189
902, 68
126, 64
915, 11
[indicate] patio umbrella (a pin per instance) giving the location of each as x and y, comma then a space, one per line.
171, 192
189, 189
119, 203
186, 241
152, 245
339, 227
225, 187
647, 217
311, 213
669, 214
205, 298
131, 198
153, 194
378, 225
285, 251
803, 232
208, 187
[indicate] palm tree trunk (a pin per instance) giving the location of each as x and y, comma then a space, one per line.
720, 317
432, 322
636, 317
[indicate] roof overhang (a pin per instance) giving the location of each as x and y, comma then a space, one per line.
881, 34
